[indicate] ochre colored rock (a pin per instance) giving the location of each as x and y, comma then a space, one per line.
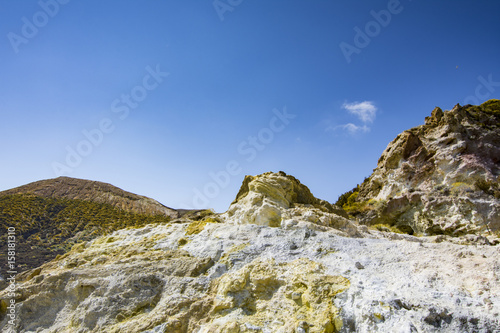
441, 177
280, 200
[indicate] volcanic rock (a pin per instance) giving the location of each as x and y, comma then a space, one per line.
227, 273
281, 260
440, 178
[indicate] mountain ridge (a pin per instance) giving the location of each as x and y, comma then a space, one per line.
90, 190
274, 262
52, 215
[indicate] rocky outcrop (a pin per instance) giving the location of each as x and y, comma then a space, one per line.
441, 177
248, 271
280, 200
254, 278
281, 260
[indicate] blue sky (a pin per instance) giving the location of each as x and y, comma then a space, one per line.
179, 100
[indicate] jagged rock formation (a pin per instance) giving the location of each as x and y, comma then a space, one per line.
281, 260
248, 271
442, 177
81, 189
280, 200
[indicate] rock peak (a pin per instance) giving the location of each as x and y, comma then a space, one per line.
441, 177
279, 200
277, 186
197, 274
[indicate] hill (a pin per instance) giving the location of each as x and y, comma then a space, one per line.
87, 190
50, 216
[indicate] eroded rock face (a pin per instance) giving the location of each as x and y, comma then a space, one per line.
251, 278
441, 177
296, 294
280, 200
281, 260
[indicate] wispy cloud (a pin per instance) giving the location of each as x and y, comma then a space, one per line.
350, 128
366, 111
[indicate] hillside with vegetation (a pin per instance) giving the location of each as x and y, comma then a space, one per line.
46, 227
52, 215
88, 190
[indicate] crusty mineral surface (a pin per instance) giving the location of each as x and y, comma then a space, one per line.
280, 200
442, 177
297, 266
279, 260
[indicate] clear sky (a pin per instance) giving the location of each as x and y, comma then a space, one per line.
179, 100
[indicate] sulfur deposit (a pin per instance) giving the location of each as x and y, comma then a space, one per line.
280, 260
301, 274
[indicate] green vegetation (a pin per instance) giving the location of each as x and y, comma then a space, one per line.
352, 205
46, 227
487, 114
491, 107
349, 201
343, 198
489, 187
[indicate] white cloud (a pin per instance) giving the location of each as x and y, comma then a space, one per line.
353, 129
366, 111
